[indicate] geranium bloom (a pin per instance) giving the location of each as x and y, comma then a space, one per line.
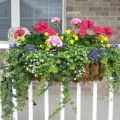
55, 41
90, 24
84, 24
108, 31
98, 30
51, 31
55, 19
82, 32
19, 32
41, 27
75, 21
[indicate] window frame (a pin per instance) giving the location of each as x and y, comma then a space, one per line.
15, 18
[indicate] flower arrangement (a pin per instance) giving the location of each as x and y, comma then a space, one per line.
80, 55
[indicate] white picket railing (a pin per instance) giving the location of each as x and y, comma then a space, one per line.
62, 115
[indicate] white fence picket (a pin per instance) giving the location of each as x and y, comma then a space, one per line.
78, 115
15, 113
110, 111
62, 113
30, 101
46, 97
0, 100
94, 112
0, 110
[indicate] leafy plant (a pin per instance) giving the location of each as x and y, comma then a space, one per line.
82, 54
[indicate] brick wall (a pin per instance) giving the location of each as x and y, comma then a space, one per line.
103, 12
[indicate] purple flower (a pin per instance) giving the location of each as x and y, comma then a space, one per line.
29, 48
11, 46
115, 45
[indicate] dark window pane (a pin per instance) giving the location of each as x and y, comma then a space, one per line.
33, 11
5, 18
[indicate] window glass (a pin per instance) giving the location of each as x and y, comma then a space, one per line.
5, 18
33, 11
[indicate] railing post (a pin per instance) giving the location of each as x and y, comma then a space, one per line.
0, 100
62, 113
46, 97
30, 101
94, 112
15, 114
111, 94
78, 117
15, 22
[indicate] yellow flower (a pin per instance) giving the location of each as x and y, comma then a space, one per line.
48, 45
101, 41
22, 38
46, 34
18, 38
76, 38
68, 31
41, 46
108, 45
103, 45
101, 36
61, 37
106, 39
72, 42
57, 34
47, 49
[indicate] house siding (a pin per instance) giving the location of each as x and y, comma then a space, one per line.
103, 12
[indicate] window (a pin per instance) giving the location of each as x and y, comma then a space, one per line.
33, 11
5, 18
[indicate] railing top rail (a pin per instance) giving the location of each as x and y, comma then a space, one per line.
4, 45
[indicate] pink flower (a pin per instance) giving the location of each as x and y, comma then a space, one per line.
108, 31
90, 24
55, 19
82, 32
55, 41
51, 31
84, 24
41, 27
75, 21
98, 30
19, 32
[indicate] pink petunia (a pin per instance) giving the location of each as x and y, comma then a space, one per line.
108, 31
75, 21
55, 41
55, 19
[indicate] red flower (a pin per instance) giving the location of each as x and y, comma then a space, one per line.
41, 27
82, 32
98, 30
84, 24
108, 31
90, 24
51, 31
19, 32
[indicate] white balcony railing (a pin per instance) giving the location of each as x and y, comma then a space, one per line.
62, 115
